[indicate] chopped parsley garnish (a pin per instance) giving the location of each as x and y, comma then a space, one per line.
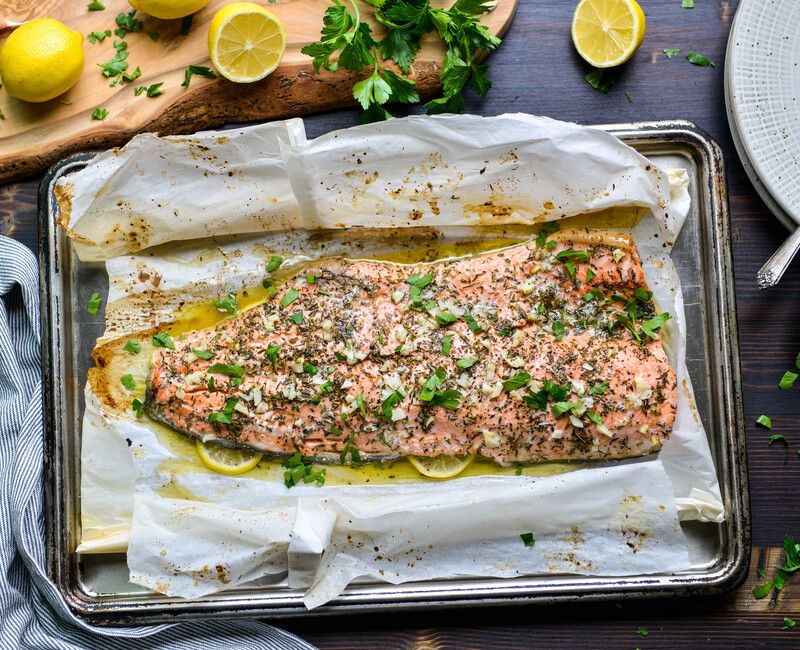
274, 263
98, 37
432, 384
599, 389
765, 421
788, 623
227, 304
299, 468
642, 295
94, 303
788, 379
687, 4
127, 23
518, 470
297, 317
163, 340
594, 417
447, 345
797, 361
203, 354
445, 318
128, 382
99, 114
132, 347
116, 66
449, 399
289, 297
570, 254
527, 538
472, 323
211, 386
311, 279
537, 400
629, 97
517, 381
95, 5
559, 408
698, 59
418, 283
226, 415
570, 268
590, 275
602, 79
349, 448
137, 407
153, 35
272, 354
642, 631
670, 52
650, 326
790, 565
545, 231
558, 329
310, 368
466, 362
154, 90
228, 370
388, 404
777, 437
200, 71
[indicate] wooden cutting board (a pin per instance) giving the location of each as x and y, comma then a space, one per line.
33, 136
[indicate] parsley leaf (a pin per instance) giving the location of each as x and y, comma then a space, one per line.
777, 437
272, 354
289, 297
670, 52
788, 379
128, 382
432, 384
687, 4
203, 354
200, 71
472, 323
95, 5
226, 416
642, 631
163, 340
186, 24
545, 231
517, 381
299, 468
94, 304
602, 79
466, 362
765, 421
527, 539
388, 404
98, 37
558, 329
788, 623
599, 389
650, 326
629, 97
137, 407
99, 114
698, 59
229, 370
227, 304
132, 347
274, 263
447, 344
154, 90
449, 399
570, 254
127, 23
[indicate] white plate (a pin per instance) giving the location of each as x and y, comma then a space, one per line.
762, 93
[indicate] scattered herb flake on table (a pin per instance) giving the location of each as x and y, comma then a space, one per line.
127, 23
629, 97
788, 623
670, 52
791, 564
698, 59
777, 437
687, 4
200, 71
602, 79
98, 37
95, 6
642, 631
788, 379
186, 24
99, 114
94, 304
527, 538
765, 421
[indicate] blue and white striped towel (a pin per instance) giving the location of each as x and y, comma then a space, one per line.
32, 613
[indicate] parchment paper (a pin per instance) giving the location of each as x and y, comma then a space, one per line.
609, 519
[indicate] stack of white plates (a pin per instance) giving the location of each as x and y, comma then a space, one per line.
762, 93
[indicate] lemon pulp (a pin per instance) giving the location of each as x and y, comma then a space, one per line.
227, 461
440, 466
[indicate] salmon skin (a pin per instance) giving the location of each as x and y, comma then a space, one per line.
544, 351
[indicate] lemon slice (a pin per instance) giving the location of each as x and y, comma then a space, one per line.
607, 32
245, 41
227, 461
440, 466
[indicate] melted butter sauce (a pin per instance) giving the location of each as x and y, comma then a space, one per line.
203, 315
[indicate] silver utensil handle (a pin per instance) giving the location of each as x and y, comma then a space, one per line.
772, 272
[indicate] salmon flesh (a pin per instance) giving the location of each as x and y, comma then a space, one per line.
544, 351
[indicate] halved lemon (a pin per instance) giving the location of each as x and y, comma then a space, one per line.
227, 461
440, 466
245, 41
607, 32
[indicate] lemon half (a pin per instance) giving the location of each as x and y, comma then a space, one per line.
440, 466
607, 32
245, 42
227, 461
41, 60
168, 9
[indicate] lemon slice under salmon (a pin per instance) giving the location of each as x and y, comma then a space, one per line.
607, 32
227, 461
440, 466
245, 42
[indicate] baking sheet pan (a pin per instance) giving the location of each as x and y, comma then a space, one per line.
96, 587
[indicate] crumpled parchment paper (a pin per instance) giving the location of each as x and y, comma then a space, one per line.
455, 175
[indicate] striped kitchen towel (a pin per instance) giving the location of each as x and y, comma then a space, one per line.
32, 613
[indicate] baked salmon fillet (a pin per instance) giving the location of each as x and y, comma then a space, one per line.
544, 351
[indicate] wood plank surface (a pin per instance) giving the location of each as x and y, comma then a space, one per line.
33, 136
535, 70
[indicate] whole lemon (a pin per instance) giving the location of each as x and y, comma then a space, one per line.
168, 8
41, 60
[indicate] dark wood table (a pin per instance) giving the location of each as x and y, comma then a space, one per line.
537, 71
